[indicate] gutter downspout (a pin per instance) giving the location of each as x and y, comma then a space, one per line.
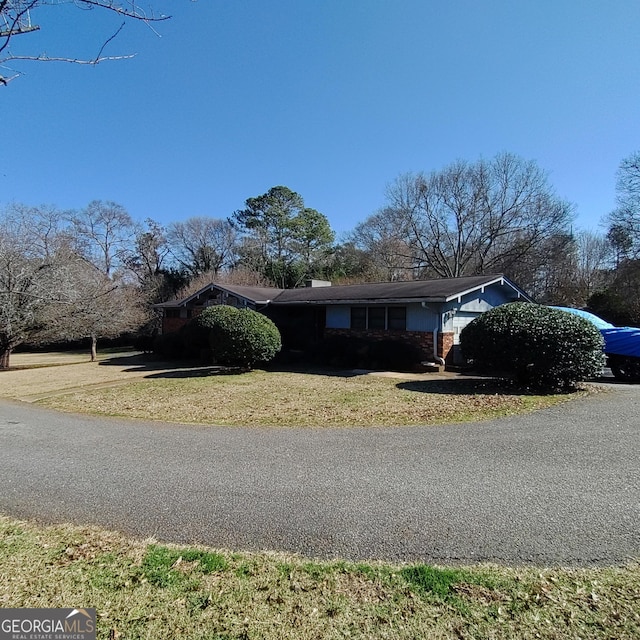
436, 357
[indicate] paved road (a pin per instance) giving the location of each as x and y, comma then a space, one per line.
561, 486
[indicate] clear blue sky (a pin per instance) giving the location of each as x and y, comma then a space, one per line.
333, 99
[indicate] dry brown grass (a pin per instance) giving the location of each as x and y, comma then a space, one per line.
142, 589
262, 398
40, 374
129, 386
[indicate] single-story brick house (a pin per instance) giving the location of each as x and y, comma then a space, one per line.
427, 313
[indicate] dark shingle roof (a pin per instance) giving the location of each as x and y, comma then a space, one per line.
259, 295
440, 290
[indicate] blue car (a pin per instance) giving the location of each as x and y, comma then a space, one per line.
621, 346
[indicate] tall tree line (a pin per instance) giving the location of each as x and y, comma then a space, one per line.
62, 276
95, 272
619, 300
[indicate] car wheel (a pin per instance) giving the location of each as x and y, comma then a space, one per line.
625, 369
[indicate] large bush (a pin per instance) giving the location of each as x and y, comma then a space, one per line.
239, 337
536, 346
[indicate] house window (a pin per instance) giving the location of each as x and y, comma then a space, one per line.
397, 318
379, 318
358, 317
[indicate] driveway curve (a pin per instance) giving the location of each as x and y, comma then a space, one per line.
556, 487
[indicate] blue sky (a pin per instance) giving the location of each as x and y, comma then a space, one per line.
333, 99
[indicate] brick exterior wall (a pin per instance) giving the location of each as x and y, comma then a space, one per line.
445, 346
421, 339
173, 324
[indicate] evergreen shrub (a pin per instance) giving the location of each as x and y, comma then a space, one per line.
239, 337
535, 346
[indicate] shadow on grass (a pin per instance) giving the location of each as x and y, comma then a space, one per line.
143, 363
313, 370
200, 371
140, 362
167, 369
466, 386
146, 363
196, 372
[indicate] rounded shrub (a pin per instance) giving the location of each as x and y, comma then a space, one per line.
239, 337
534, 345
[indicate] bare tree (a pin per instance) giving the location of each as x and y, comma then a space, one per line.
32, 274
151, 250
476, 218
149, 261
18, 18
594, 261
102, 233
566, 268
202, 244
383, 238
624, 220
94, 307
50, 291
103, 303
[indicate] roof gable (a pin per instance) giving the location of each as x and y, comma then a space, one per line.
253, 295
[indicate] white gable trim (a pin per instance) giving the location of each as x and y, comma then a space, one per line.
501, 280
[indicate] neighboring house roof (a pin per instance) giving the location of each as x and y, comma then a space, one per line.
436, 291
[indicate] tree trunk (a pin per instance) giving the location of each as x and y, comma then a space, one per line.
4, 358
94, 348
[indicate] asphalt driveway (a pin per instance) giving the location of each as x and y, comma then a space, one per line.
560, 486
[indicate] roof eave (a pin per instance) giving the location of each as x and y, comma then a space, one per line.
360, 301
502, 280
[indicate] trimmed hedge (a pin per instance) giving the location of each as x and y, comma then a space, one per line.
239, 337
534, 345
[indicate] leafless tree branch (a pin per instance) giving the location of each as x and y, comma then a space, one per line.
46, 58
16, 19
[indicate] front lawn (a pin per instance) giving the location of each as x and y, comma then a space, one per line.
263, 398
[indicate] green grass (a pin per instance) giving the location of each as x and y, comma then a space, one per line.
163, 566
145, 589
284, 399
